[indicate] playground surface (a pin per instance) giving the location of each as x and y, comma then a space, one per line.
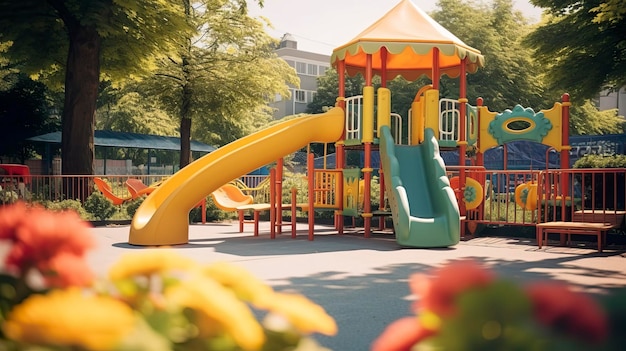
362, 282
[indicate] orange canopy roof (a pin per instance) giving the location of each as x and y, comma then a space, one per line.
409, 36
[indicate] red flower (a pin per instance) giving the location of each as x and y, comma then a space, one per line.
438, 292
401, 335
52, 242
575, 313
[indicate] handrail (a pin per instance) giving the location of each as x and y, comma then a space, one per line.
421, 92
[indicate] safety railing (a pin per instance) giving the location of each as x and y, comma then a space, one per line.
508, 197
396, 128
449, 115
496, 197
582, 195
354, 113
326, 188
42, 188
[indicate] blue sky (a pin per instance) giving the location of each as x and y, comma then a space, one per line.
322, 25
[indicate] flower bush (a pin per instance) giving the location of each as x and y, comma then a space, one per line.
156, 300
464, 306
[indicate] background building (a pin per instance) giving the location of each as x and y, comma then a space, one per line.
308, 66
616, 99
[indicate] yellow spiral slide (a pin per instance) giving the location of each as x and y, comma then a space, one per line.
163, 217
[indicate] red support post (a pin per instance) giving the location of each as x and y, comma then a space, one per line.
311, 179
272, 203
435, 72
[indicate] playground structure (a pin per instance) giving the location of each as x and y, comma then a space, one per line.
431, 205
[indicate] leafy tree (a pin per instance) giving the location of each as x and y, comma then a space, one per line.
76, 39
510, 75
222, 76
583, 44
328, 90
585, 118
129, 109
24, 111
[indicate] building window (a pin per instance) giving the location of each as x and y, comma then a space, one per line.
322, 70
311, 95
301, 67
291, 63
311, 69
299, 96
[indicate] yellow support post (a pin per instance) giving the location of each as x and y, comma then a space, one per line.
431, 111
384, 108
368, 115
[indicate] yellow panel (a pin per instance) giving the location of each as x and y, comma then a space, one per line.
554, 136
485, 140
417, 123
431, 111
384, 108
368, 114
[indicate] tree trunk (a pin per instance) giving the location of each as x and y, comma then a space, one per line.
187, 94
185, 117
185, 141
81, 92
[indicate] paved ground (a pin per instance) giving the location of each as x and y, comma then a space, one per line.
362, 282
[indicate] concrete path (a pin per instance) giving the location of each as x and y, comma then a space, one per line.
362, 282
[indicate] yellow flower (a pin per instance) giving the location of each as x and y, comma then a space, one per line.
302, 313
150, 262
245, 285
70, 318
221, 306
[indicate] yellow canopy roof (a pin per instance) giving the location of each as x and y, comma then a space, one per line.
409, 35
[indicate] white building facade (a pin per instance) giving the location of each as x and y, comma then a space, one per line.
612, 100
308, 66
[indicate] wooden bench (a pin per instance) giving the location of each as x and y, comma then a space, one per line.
589, 222
573, 228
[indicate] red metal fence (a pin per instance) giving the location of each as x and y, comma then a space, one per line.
508, 197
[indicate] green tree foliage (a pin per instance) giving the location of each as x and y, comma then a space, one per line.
583, 44
328, 90
585, 118
24, 111
130, 110
76, 39
222, 77
510, 75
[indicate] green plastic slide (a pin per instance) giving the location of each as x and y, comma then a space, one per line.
423, 206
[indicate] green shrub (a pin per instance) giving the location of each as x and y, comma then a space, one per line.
99, 206
300, 183
606, 187
64, 205
600, 161
8, 196
133, 205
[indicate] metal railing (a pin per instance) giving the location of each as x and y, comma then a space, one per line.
519, 197
582, 194
43, 188
354, 112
